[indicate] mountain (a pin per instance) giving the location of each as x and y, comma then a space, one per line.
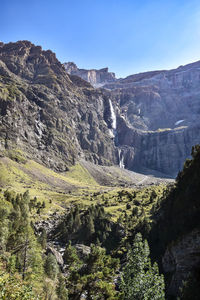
145, 122
53, 117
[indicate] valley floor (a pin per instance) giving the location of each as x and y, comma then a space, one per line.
58, 190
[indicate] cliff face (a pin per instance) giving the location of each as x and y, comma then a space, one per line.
158, 117
53, 117
96, 77
181, 260
164, 150
165, 99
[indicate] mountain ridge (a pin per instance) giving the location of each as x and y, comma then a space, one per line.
59, 119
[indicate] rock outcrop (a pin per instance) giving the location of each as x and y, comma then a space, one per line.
181, 259
56, 253
82, 250
97, 78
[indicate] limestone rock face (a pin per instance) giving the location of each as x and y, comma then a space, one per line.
164, 151
158, 117
52, 117
96, 77
181, 259
165, 99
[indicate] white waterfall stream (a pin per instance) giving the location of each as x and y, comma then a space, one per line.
113, 116
121, 159
113, 133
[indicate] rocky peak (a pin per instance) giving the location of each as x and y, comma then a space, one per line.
70, 67
96, 77
31, 62
26, 48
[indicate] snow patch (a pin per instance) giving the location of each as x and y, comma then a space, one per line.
178, 122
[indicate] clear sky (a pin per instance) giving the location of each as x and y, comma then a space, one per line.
128, 36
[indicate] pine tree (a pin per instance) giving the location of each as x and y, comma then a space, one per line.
51, 266
77, 222
140, 280
90, 229
61, 288
43, 239
70, 256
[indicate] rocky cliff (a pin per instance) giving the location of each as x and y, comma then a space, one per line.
161, 99
163, 150
96, 77
181, 260
53, 117
157, 116
158, 120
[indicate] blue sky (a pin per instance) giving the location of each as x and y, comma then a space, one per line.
127, 36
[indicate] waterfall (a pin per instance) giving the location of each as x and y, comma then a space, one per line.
121, 159
113, 116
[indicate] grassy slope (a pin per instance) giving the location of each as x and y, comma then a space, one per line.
58, 190
46, 184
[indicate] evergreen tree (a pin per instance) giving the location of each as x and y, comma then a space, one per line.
61, 288
43, 239
140, 280
90, 229
70, 256
51, 266
77, 222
